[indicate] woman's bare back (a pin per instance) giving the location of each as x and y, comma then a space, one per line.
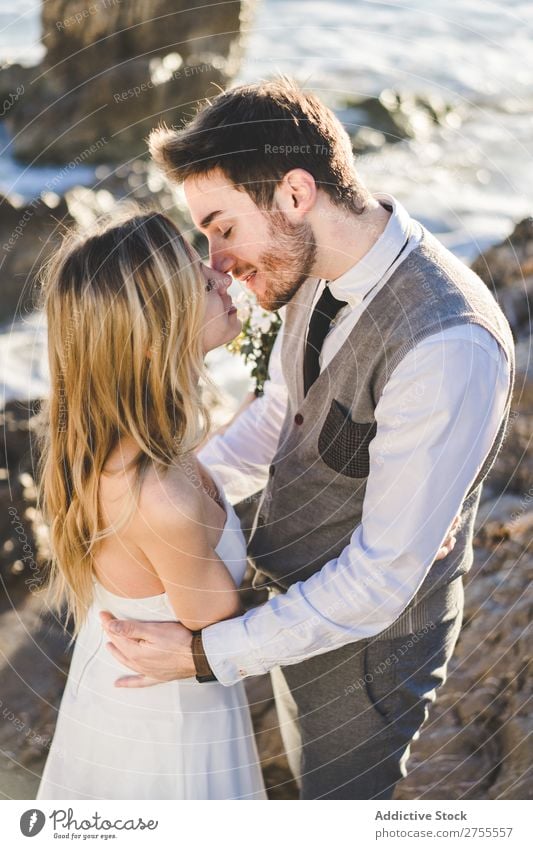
120, 565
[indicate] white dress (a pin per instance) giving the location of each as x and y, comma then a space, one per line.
177, 740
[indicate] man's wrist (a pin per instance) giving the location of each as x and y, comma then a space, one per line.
201, 663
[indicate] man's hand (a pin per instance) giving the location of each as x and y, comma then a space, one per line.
157, 651
449, 543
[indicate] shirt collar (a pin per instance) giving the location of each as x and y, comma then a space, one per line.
354, 284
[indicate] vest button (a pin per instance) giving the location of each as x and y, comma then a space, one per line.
298, 419
271, 471
260, 521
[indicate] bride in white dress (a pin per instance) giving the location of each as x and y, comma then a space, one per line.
131, 313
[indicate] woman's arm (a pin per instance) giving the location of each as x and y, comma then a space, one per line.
241, 454
248, 399
172, 532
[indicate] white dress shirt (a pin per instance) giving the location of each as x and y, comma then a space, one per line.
436, 421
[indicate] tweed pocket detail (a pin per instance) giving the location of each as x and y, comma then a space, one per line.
343, 444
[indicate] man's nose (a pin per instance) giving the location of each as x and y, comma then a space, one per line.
221, 261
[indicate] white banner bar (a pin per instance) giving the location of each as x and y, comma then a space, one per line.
279, 825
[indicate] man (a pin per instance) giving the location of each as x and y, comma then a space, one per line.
388, 399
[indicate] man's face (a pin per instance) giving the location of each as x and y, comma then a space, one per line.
269, 253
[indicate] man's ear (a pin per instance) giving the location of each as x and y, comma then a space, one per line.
296, 194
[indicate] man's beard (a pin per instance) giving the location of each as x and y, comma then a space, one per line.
288, 262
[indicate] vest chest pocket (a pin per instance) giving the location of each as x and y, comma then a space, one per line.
343, 444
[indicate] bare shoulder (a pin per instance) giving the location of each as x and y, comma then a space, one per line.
170, 498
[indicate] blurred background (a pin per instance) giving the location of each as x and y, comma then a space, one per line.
438, 102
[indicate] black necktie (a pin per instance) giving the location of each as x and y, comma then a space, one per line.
325, 310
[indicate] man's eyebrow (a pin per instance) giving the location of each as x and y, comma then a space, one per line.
205, 222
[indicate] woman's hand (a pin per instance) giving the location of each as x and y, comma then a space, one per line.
449, 543
156, 651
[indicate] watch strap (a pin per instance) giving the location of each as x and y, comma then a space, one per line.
201, 664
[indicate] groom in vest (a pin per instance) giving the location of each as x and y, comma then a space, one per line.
389, 393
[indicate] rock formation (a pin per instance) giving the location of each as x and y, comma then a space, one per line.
113, 70
28, 233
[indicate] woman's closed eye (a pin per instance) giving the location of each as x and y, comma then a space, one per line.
210, 285
227, 233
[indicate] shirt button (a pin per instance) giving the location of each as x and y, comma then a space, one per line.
298, 419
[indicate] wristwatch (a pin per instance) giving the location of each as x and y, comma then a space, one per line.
201, 664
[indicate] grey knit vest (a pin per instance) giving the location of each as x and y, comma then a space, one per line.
314, 498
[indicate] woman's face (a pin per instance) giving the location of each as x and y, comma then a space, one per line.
221, 323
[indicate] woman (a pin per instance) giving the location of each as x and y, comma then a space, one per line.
137, 525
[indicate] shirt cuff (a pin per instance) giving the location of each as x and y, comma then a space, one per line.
229, 651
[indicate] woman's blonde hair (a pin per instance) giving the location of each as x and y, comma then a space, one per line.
124, 307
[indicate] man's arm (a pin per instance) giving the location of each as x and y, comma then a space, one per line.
436, 421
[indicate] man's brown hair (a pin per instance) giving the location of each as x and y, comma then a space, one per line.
255, 134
